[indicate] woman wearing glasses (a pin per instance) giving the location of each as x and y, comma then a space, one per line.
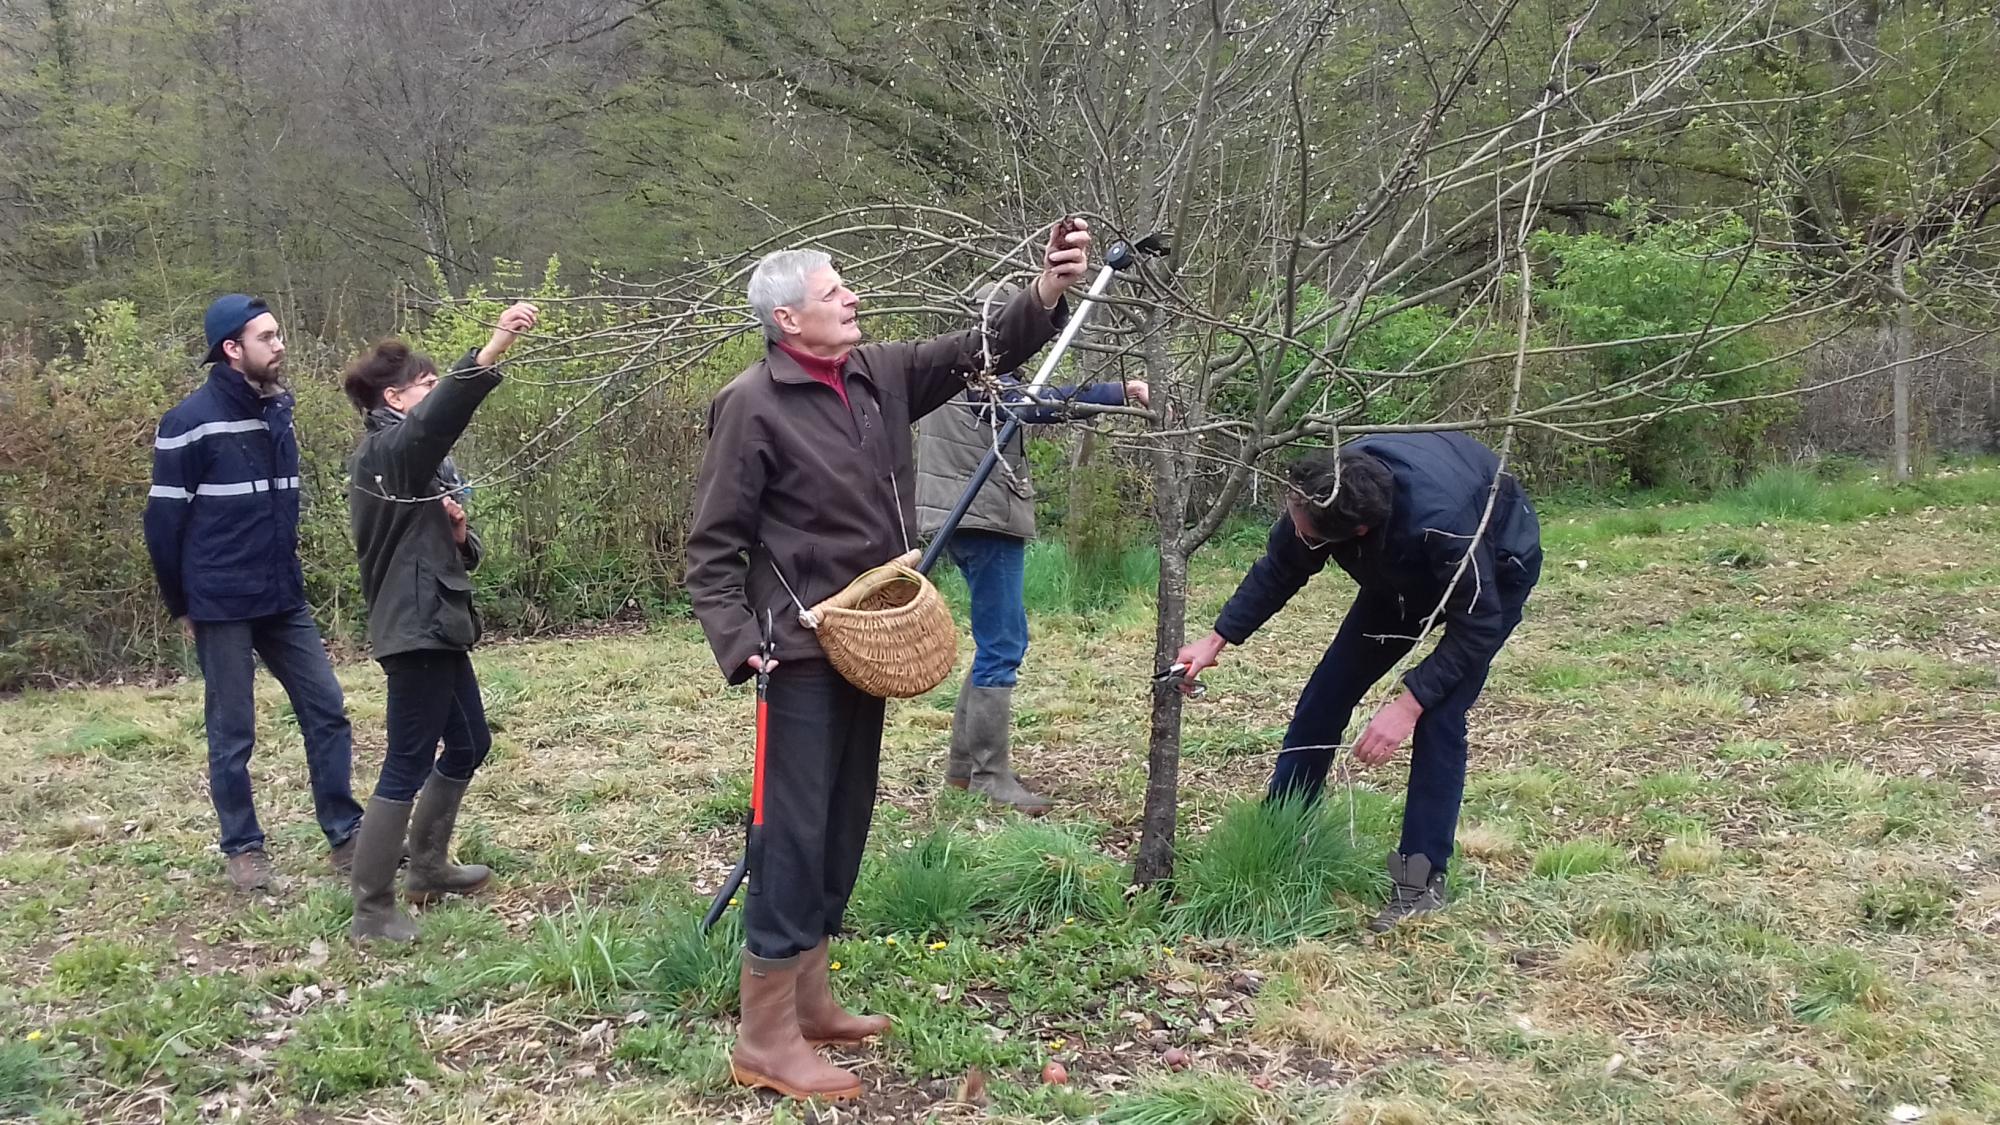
417, 551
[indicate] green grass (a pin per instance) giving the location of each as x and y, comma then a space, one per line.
1194, 1099
1037, 874
1281, 871
688, 970
1055, 582
117, 739
172, 1034
727, 806
1632, 922
1571, 858
350, 1049
1910, 903
95, 967
1726, 817
930, 887
27, 1075
583, 950
1838, 979
698, 1059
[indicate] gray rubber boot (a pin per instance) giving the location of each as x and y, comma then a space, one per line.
432, 874
378, 851
1414, 888
958, 768
989, 720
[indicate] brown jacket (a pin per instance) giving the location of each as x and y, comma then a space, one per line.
792, 483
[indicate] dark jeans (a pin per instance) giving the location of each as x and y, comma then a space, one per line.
824, 744
993, 566
1369, 643
291, 648
433, 696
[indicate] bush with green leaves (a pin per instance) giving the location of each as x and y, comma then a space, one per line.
1677, 290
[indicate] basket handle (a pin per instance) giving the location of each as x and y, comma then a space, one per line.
897, 569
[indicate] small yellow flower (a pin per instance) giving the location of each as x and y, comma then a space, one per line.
732, 902
1167, 950
34, 1035
939, 944
1070, 921
888, 941
835, 966
1058, 1044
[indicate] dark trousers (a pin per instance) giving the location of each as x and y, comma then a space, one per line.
1372, 638
823, 747
291, 648
433, 696
994, 565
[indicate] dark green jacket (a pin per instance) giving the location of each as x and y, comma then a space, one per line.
415, 578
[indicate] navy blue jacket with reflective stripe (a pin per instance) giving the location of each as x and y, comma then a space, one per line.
222, 520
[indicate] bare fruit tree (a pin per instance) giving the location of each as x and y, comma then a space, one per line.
1310, 215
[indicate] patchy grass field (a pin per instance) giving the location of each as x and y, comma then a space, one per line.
1729, 855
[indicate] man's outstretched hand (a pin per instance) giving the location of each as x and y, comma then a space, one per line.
1388, 730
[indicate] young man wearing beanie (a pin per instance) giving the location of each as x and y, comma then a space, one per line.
222, 526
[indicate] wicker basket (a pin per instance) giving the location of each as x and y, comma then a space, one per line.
889, 632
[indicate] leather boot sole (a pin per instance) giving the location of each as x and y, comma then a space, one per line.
743, 1076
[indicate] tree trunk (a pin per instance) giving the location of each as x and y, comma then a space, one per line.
1899, 381
1899, 389
1075, 519
1163, 747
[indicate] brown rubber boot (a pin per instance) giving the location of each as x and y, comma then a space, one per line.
432, 874
822, 1021
769, 1050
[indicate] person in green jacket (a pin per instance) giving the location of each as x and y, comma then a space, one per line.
417, 551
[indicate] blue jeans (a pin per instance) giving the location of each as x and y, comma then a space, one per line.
1363, 651
291, 648
993, 566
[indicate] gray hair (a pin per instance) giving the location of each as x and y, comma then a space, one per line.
779, 282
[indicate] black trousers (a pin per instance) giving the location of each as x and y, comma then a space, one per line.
822, 754
433, 697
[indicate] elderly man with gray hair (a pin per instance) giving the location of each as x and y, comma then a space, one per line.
807, 482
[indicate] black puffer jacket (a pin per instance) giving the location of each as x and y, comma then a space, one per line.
414, 577
1442, 480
